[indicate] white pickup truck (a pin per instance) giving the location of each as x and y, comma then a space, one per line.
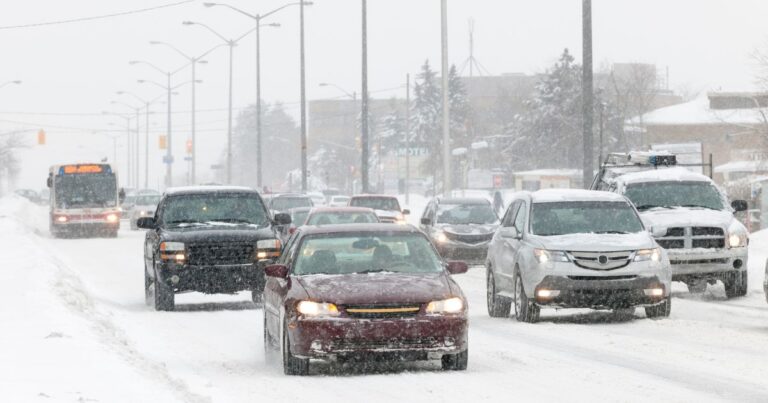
688, 215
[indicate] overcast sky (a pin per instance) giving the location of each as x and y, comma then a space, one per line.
71, 71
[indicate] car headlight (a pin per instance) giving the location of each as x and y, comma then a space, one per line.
737, 240
645, 255
441, 237
544, 256
450, 305
268, 249
311, 308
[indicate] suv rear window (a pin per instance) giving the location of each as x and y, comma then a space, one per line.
376, 203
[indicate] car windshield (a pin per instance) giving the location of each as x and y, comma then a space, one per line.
342, 217
376, 203
147, 200
347, 253
674, 194
214, 208
287, 203
86, 190
600, 217
458, 214
340, 199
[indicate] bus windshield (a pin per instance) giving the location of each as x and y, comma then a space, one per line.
85, 191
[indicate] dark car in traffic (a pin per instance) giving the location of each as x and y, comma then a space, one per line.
210, 239
341, 292
461, 228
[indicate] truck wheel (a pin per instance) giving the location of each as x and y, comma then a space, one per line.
659, 311
696, 287
735, 284
164, 297
498, 306
455, 362
525, 309
292, 365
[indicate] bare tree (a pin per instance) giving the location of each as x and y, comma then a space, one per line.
635, 88
9, 161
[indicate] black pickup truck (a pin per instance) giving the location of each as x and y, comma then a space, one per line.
210, 239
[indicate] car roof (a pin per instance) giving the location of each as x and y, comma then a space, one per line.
566, 195
374, 195
357, 229
342, 210
463, 200
203, 189
677, 174
289, 195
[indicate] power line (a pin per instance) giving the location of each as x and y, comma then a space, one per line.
97, 17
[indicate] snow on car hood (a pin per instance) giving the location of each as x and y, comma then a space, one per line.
595, 242
468, 229
661, 218
376, 288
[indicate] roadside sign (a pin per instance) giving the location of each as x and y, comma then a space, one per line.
168, 159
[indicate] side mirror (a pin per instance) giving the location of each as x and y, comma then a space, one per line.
455, 267
49, 182
276, 271
121, 195
739, 205
426, 221
510, 232
406, 212
292, 230
282, 218
146, 223
657, 232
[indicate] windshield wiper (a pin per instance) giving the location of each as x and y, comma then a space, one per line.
179, 222
231, 220
699, 206
611, 232
650, 206
372, 271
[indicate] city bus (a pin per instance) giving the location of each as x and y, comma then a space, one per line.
84, 200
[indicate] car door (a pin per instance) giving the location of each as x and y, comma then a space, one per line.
509, 243
275, 289
496, 245
152, 242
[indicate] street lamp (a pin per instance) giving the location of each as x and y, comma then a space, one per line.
128, 142
193, 61
146, 135
231, 43
135, 171
257, 18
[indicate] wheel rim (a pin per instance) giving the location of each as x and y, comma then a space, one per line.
518, 296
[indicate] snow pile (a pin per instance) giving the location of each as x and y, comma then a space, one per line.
55, 344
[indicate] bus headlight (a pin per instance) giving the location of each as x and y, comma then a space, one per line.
112, 217
62, 219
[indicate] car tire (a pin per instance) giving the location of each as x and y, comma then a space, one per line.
164, 296
498, 306
455, 362
147, 286
292, 365
735, 284
526, 309
696, 287
659, 311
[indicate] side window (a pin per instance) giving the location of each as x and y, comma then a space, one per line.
520, 219
510, 215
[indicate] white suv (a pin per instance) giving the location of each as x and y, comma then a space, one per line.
575, 249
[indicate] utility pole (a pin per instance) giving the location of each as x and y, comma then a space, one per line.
303, 104
146, 149
258, 104
192, 155
446, 105
229, 116
168, 150
407, 137
138, 161
586, 92
364, 105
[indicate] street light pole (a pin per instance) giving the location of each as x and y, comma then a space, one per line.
169, 142
303, 103
446, 105
407, 136
587, 92
364, 105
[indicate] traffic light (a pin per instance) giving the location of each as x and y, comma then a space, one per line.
189, 146
41, 137
162, 142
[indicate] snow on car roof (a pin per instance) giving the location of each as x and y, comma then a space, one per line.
207, 189
560, 195
678, 174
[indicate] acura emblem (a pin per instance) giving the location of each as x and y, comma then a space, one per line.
602, 259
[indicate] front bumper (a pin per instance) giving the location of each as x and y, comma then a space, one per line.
470, 253
421, 337
706, 263
575, 292
84, 226
213, 279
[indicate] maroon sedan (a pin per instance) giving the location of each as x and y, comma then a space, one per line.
344, 291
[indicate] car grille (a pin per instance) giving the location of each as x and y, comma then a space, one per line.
602, 278
471, 239
390, 344
693, 237
382, 311
601, 260
220, 254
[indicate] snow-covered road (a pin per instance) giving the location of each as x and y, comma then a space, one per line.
76, 327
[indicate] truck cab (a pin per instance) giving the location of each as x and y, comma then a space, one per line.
688, 215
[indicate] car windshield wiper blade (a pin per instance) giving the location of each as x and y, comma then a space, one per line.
650, 206
699, 206
611, 232
231, 220
372, 271
179, 222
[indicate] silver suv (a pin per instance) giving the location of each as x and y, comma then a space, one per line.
567, 248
